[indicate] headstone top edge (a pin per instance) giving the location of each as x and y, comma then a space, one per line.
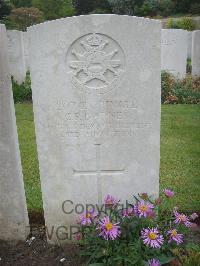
175, 30
47, 23
195, 31
2, 26
15, 31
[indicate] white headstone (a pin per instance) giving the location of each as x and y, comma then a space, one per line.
13, 212
174, 51
196, 52
26, 49
16, 55
96, 97
189, 44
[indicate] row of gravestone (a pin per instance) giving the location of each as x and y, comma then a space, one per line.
176, 48
96, 101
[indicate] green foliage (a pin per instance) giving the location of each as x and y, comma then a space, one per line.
171, 24
180, 91
5, 8
189, 66
54, 9
165, 7
148, 8
99, 11
21, 18
157, 8
91, 6
128, 248
195, 9
184, 23
22, 93
183, 6
191, 256
21, 3
124, 7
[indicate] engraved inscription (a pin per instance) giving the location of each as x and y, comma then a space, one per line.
96, 63
168, 42
80, 120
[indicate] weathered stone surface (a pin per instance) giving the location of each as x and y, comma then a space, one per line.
26, 49
96, 97
196, 52
13, 212
17, 63
174, 52
189, 44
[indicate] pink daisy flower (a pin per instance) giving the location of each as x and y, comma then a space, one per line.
194, 216
151, 237
108, 230
129, 212
181, 218
168, 193
154, 262
174, 236
87, 218
143, 208
110, 201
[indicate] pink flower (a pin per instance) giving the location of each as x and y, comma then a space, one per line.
174, 236
108, 230
143, 208
181, 218
151, 237
110, 201
154, 262
129, 212
194, 216
168, 193
87, 218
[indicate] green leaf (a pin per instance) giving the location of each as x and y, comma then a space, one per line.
165, 259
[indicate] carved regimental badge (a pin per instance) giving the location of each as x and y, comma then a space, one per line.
96, 63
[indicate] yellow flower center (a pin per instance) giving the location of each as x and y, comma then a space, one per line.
88, 215
109, 226
174, 233
152, 235
143, 208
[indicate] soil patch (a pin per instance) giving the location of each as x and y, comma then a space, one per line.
36, 250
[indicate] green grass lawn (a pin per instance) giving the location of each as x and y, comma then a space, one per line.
180, 154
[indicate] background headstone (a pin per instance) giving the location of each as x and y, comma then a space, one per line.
189, 44
13, 212
16, 55
196, 52
174, 51
26, 49
96, 97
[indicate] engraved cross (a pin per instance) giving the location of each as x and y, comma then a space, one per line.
98, 172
